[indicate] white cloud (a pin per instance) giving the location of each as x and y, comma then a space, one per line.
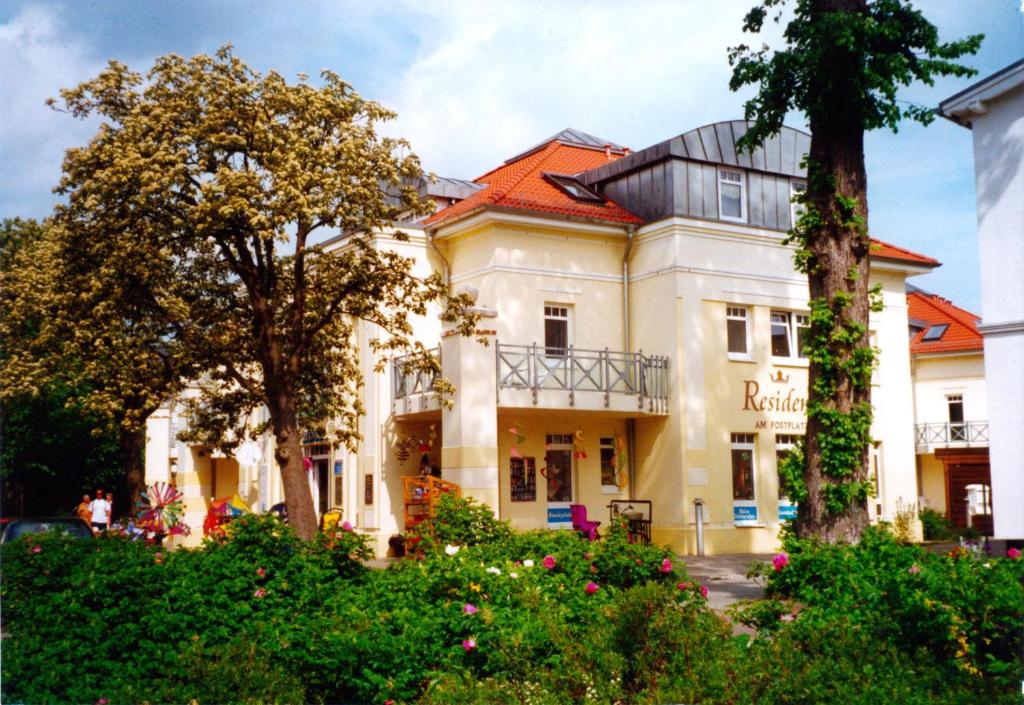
39, 57
492, 79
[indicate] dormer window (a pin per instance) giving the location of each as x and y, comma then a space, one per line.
731, 201
575, 188
935, 332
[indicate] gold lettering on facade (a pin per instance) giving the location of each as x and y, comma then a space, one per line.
753, 400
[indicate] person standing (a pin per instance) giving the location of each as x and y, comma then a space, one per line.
110, 509
83, 511
100, 513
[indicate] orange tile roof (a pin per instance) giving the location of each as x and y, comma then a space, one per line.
962, 334
883, 250
520, 185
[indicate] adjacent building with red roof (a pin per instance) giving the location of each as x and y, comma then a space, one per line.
950, 410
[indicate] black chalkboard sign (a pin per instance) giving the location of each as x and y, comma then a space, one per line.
523, 479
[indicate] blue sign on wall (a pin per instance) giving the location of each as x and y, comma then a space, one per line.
559, 515
787, 512
337, 467
743, 513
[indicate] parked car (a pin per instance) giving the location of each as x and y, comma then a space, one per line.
74, 526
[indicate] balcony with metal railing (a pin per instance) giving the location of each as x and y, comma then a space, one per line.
953, 434
412, 388
577, 378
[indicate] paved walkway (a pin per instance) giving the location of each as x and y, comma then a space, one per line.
726, 577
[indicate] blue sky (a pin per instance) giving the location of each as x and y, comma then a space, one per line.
475, 82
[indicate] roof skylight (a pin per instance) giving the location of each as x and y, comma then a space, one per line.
935, 332
575, 188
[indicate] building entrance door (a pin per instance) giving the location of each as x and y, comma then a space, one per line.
558, 471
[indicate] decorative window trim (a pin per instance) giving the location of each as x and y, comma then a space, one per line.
738, 313
724, 177
795, 209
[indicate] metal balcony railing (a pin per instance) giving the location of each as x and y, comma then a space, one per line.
950, 433
575, 370
407, 380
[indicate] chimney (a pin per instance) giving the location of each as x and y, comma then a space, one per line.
626, 151
608, 151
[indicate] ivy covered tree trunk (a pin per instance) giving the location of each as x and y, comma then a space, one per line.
839, 411
842, 65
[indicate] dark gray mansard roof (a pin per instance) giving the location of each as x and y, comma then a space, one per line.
716, 144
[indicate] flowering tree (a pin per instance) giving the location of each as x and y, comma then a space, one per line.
204, 193
843, 63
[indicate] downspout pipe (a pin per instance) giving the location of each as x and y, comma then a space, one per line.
630, 423
444, 260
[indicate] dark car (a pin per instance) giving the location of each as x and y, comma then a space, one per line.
20, 527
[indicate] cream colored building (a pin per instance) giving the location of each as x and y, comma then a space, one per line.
644, 322
950, 411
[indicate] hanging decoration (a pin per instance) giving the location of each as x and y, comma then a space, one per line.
519, 438
619, 461
403, 447
578, 451
433, 435
161, 509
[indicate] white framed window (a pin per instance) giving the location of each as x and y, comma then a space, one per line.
784, 443
955, 405
556, 330
732, 202
737, 332
742, 450
789, 334
796, 209
609, 466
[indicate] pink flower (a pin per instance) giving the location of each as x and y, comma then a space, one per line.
469, 644
346, 526
780, 561
261, 572
591, 588
36, 549
704, 591
914, 569
683, 586
593, 568
788, 617
260, 593
102, 701
638, 561
1013, 553
549, 562
666, 566
470, 609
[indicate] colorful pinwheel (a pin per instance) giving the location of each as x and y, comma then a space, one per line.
161, 509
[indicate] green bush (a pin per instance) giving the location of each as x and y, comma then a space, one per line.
937, 527
963, 610
260, 616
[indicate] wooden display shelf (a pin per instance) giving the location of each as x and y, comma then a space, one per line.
421, 494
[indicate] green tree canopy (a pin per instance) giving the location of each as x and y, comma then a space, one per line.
842, 66
202, 197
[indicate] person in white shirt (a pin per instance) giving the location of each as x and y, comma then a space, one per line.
100, 509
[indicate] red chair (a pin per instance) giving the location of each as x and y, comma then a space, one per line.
578, 513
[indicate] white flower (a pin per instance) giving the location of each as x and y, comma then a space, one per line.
494, 571
513, 575
451, 549
528, 563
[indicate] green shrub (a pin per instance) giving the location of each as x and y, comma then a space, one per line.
937, 527
965, 609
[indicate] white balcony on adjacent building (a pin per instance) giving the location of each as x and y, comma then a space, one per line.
951, 434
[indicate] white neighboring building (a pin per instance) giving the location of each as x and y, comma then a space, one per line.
993, 109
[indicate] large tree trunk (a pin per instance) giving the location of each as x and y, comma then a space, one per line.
288, 453
131, 444
840, 250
